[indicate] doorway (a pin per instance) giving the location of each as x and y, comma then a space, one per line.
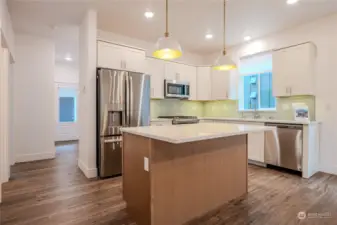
67, 111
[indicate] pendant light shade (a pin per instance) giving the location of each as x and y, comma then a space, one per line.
224, 62
166, 47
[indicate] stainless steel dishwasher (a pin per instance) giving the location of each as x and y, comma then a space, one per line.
284, 146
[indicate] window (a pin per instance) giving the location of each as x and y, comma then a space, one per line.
67, 109
255, 91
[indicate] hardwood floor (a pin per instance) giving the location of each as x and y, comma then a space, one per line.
56, 192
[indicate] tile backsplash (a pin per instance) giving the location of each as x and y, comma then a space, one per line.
175, 107
227, 108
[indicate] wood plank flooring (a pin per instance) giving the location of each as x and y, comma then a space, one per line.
55, 192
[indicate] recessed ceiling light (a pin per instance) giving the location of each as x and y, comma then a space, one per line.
247, 38
291, 2
209, 36
148, 14
68, 58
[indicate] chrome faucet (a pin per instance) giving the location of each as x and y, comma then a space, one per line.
256, 114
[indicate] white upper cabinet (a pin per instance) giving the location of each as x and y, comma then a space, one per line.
204, 84
294, 70
156, 68
220, 85
135, 60
184, 73
120, 57
109, 55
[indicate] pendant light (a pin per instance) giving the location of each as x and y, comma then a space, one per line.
166, 47
224, 62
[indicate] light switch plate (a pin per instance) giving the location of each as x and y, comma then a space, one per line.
146, 164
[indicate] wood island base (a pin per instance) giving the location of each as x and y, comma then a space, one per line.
183, 181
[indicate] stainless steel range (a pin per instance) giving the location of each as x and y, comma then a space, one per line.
178, 120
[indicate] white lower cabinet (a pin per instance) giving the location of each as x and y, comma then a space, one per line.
255, 140
256, 146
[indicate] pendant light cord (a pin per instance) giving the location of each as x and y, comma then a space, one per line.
166, 32
224, 27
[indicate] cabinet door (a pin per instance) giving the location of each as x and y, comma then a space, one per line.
301, 60
171, 71
134, 60
256, 146
109, 55
280, 73
204, 84
156, 68
220, 85
189, 74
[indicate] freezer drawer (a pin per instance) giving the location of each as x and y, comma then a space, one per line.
284, 146
110, 157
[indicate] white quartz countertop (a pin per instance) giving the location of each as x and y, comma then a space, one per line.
262, 120
178, 134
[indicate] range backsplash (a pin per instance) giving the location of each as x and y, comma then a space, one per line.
227, 108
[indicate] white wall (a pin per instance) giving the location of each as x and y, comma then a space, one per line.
87, 94
7, 29
323, 33
33, 98
4, 117
187, 58
66, 72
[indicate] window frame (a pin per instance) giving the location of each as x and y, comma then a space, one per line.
241, 96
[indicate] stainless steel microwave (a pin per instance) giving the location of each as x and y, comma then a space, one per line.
176, 89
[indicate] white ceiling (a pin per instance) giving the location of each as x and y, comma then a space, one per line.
189, 20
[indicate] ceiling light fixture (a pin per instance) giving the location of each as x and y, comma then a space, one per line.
167, 47
209, 36
149, 14
68, 58
224, 62
247, 38
292, 2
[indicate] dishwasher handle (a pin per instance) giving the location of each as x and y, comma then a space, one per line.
286, 126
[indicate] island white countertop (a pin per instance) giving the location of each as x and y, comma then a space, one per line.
261, 120
178, 134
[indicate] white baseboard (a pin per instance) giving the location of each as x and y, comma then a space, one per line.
89, 173
67, 138
34, 157
329, 169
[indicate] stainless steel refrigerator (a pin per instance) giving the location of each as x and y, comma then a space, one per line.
123, 100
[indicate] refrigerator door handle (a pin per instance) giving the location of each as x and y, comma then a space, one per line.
131, 99
127, 110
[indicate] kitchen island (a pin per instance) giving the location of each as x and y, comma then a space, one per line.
173, 174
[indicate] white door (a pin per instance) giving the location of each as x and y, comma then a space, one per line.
67, 126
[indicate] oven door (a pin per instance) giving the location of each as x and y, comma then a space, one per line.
174, 89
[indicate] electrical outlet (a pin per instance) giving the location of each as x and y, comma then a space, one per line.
146, 164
